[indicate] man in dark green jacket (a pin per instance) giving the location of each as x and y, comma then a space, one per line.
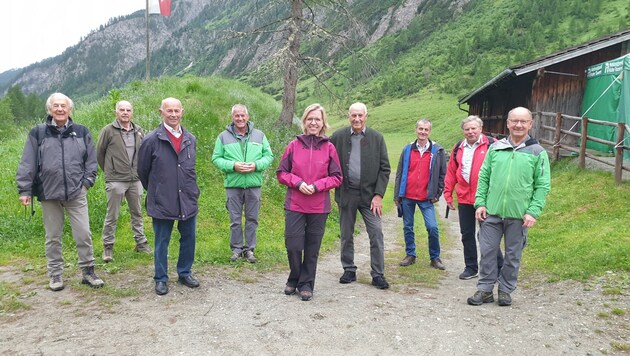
242, 153
365, 165
513, 184
117, 155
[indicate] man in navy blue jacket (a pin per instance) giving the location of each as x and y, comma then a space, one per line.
166, 167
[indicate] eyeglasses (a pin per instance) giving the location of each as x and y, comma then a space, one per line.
521, 122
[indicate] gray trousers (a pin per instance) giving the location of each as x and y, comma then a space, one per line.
347, 219
53, 214
132, 192
490, 233
241, 200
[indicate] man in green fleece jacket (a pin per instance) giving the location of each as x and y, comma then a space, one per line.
513, 184
242, 153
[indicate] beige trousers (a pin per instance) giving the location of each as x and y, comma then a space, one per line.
77, 211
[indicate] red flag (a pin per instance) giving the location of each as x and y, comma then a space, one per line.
165, 7
160, 7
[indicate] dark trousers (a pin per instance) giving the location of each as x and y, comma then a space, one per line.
348, 209
303, 235
467, 227
163, 229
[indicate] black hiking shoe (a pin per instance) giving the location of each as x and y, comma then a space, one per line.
505, 299
348, 277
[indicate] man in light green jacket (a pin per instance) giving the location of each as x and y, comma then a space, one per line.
513, 184
242, 153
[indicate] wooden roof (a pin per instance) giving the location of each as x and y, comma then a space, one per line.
548, 60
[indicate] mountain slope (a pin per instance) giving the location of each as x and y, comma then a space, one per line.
201, 37
363, 50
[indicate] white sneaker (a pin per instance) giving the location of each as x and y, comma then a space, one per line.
249, 256
56, 283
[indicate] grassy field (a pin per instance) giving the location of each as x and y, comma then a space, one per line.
579, 236
207, 105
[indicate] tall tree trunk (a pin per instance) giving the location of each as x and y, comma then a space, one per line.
291, 63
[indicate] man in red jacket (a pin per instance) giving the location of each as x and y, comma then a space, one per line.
463, 171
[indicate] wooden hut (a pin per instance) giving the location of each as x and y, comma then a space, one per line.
553, 83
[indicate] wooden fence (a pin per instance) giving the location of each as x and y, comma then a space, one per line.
581, 124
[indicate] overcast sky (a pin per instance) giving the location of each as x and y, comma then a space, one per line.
39, 29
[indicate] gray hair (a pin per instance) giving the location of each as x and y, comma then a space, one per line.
472, 118
118, 104
424, 121
60, 95
359, 106
239, 106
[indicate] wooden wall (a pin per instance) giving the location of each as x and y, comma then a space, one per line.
540, 90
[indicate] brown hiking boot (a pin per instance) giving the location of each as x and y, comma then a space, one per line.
108, 253
90, 278
480, 298
408, 261
144, 248
437, 264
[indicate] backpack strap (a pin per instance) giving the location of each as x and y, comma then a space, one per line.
41, 133
455, 150
40, 136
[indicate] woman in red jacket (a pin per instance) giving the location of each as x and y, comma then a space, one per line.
309, 168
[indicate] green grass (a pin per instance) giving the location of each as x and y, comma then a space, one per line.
10, 296
584, 229
207, 103
583, 233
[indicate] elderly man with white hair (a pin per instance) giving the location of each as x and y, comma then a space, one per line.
58, 166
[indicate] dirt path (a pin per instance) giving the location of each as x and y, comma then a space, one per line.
251, 315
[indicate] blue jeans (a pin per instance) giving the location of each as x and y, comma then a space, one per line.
162, 230
430, 222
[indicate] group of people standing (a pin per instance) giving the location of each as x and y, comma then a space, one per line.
505, 191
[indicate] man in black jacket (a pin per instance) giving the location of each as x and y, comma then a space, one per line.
365, 165
166, 167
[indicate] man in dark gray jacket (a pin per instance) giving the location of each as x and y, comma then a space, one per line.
58, 166
117, 155
365, 165
166, 167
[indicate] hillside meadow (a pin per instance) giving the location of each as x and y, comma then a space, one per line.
582, 234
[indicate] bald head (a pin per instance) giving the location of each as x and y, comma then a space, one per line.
520, 111
519, 123
171, 111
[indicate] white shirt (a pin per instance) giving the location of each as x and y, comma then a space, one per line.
174, 132
467, 157
424, 148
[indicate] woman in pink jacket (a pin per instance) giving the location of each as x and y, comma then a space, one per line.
309, 168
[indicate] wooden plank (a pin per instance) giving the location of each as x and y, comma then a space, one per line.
621, 128
599, 140
604, 123
582, 163
557, 137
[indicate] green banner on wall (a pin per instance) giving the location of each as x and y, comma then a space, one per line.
607, 98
